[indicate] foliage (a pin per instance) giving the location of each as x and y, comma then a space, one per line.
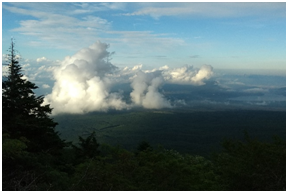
24, 114
250, 165
12, 148
253, 165
27, 130
143, 146
87, 148
149, 170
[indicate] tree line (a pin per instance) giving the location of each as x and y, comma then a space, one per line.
34, 157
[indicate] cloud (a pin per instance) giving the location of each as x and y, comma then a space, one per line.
82, 85
182, 75
188, 75
146, 91
157, 10
39, 70
24, 77
263, 103
45, 86
4, 65
41, 59
96, 7
146, 84
63, 28
256, 90
58, 29
4, 70
148, 40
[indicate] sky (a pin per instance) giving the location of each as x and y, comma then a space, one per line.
224, 35
79, 53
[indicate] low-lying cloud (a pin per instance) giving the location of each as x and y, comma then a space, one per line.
83, 82
146, 91
189, 75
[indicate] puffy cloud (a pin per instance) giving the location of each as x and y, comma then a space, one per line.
41, 59
82, 85
205, 72
83, 82
45, 86
188, 75
146, 91
137, 67
181, 75
39, 69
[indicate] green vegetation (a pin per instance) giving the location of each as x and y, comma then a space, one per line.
35, 158
193, 132
24, 116
28, 133
252, 165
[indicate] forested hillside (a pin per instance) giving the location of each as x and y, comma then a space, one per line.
186, 131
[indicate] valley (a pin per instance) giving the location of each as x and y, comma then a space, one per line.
187, 131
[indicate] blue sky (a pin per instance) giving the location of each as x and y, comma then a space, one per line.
223, 35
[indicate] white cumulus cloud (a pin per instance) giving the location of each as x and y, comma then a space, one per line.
83, 82
146, 91
81, 85
41, 59
188, 75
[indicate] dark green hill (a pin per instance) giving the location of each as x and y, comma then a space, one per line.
185, 131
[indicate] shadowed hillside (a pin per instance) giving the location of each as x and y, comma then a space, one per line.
186, 131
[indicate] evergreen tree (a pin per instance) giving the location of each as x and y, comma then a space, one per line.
88, 148
23, 113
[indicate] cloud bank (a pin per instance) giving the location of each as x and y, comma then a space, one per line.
83, 83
